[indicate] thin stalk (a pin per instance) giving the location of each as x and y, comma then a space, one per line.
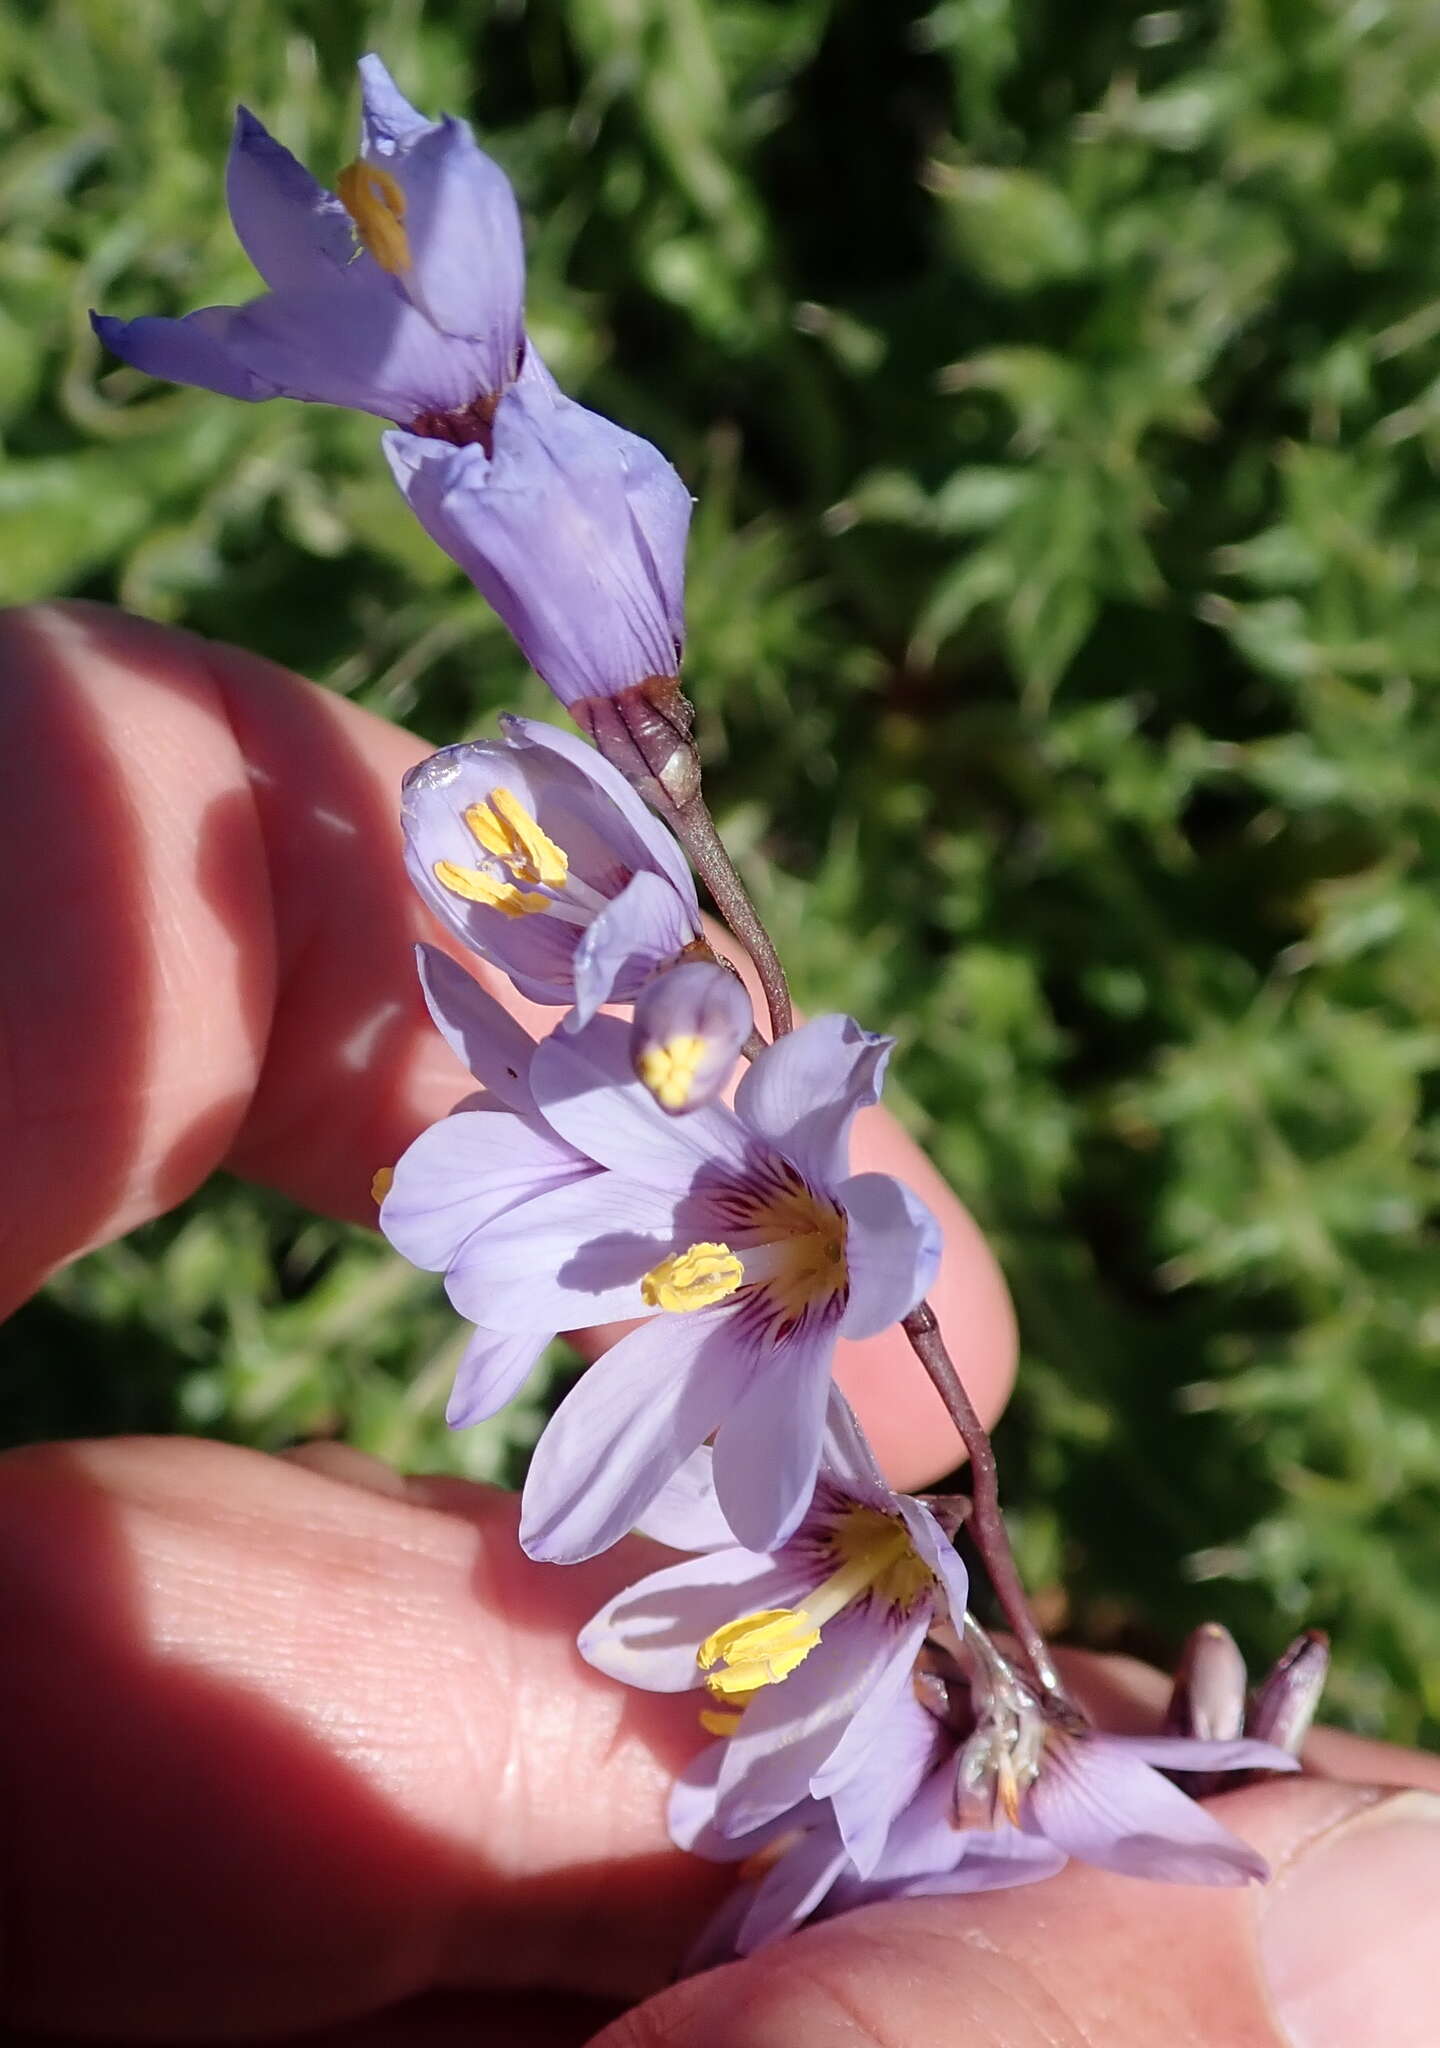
694, 827
986, 1523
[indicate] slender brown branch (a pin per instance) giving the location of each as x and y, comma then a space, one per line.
694, 827
986, 1523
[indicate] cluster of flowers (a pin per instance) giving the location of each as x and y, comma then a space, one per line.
869, 1738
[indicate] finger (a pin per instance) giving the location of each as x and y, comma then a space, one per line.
207, 919
440, 2020
277, 1752
1337, 1952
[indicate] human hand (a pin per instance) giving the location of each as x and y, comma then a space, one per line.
295, 1744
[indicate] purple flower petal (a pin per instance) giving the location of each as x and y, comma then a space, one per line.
767, 1450
899, 1758
935, 1547
493, 1370
788, 1730
648, 1636
467, 270
873, 1769
1199, 1753
194, 350
464, 1172
588, 1093
690, 1811
846, 1452
804, 1092
1105, 1807
295, 232
363, 346
644, 929
480, 1032
552, 529
892, 1252
570, 1258
792, 1888
616, 1438
685, 1515
928, 1854
388, 122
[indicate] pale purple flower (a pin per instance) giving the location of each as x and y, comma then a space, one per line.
490, 1153
920, 1846
1099, 1798
812, 1857
686, 1033
573, 529
743, 1237
542, 859
806, 1648
401, 295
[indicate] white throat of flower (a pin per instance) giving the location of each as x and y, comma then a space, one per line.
873, 1556
526, 874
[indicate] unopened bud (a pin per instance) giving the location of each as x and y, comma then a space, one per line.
1208, 1701
689, 1026
1286, 1698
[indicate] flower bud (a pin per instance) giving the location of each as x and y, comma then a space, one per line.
689, 1026
1209, 1696
1286, 1698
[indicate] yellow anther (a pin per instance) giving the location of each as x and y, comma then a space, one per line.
477, 887
716, 1723
695, 1278
759, 1649
381, 1182
505, 828
376, 204
669, 1070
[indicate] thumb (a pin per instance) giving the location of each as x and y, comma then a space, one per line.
1338, 1951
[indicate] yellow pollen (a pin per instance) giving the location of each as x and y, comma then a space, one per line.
715, 1723
376, 204
505, 828
759, 1649
695, 1278
381, 1182
669, 1070
477, 887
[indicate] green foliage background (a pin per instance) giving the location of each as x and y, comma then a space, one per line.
1060, 392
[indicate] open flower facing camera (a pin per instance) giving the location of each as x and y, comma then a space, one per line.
859, 1735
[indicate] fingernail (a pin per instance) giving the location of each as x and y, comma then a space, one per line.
1350, 1929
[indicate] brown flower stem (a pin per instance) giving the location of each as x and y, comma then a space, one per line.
694, 827
986, 1523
